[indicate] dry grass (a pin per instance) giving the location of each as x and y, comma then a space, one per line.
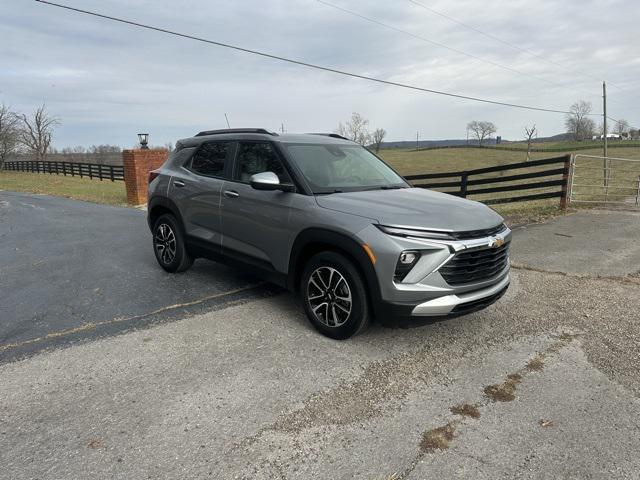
112, 193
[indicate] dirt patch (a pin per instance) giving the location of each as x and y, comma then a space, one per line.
504, 392
536, 364
437, 438
466, 410
95, 444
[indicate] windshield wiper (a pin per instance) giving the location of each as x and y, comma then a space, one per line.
391, 187
327, 192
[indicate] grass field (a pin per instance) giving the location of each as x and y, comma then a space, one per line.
411, 162
112, 193
589, 172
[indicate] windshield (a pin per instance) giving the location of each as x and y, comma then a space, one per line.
342, 168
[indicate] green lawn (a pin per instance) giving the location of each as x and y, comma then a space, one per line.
112, 193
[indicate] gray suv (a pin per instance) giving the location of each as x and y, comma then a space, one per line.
328, 219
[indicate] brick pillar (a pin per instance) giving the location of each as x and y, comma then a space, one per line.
137, 165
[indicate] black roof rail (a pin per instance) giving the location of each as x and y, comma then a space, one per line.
235, 130
332, 135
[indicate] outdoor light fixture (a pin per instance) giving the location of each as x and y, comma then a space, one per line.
144, 140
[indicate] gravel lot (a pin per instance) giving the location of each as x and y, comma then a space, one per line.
544, 384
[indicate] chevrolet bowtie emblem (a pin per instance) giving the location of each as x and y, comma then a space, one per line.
496, 242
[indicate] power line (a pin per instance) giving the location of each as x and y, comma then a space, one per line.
504, 42
304, 64
438, 44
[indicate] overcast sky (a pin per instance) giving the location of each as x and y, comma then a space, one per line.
107, 81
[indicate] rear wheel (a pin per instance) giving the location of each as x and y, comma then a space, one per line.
334, 296
169, 246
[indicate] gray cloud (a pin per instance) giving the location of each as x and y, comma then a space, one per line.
108, 81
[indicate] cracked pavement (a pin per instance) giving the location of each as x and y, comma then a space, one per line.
249, 390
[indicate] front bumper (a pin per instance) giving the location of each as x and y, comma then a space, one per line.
441, 308
462, 302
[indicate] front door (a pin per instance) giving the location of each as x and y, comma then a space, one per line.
255, 222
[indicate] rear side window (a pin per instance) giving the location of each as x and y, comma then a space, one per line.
258, 157
210, 159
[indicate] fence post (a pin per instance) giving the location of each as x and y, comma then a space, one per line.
111, 172
463, 184
564, 198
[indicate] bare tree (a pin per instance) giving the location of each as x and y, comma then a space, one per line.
36, 132
378, 136
355, 129
634, 133
577, 121
529, 134
622, 127
481, 130
9, 132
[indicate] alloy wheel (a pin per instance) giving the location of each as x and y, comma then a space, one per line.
165, 243
329, 296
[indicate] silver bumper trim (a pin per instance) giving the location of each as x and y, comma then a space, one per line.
444, 305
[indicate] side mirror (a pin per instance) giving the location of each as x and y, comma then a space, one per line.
269, 181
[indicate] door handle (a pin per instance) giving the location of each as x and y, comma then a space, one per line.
179, 183
231, 194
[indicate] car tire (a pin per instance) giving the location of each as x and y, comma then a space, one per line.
169, 245
334, 295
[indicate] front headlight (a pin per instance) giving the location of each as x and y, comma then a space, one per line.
416, 233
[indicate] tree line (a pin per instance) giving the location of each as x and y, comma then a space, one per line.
30, 134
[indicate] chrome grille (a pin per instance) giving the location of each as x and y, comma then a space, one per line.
475, 266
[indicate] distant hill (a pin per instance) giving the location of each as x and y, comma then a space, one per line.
424, 143
561, 137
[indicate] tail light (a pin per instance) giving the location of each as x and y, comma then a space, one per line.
153, 174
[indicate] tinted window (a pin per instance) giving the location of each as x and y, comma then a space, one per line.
257, 158
210, 159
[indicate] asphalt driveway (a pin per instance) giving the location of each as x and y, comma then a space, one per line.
71, 270
543, 384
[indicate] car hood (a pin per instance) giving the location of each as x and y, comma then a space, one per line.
416, 207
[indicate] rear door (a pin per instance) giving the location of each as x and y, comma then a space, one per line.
255, 222
197, 187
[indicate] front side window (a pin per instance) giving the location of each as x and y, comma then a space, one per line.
210, 159
258, 157
333, 167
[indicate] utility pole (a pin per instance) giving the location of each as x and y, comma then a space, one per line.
604, 128
282, 127
417, 142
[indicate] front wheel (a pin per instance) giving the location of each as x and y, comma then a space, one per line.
169, 246
334, 296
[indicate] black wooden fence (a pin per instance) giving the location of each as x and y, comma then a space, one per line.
465, 181
88, 170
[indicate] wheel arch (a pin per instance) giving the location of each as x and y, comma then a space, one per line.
315, 240
159, 206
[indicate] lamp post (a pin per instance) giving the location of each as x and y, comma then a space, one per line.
143, 138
